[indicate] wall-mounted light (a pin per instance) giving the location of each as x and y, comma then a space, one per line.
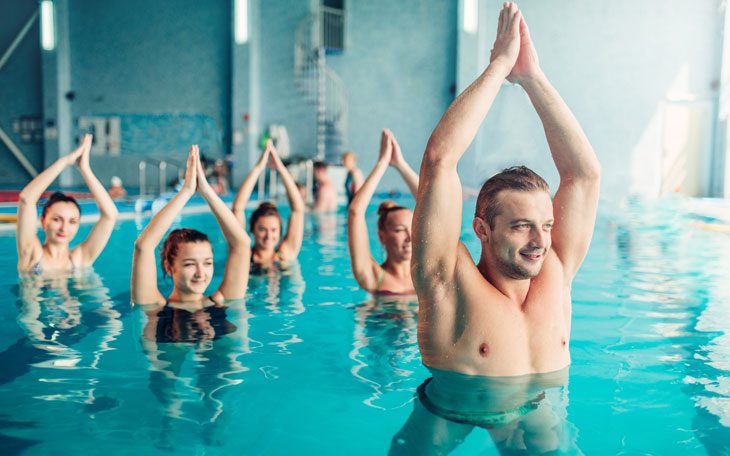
471, 16
241, 24
48, 29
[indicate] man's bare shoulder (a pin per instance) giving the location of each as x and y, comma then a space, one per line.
470, 282
465, 280
552, 272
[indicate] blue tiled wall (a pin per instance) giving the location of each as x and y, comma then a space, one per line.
153, 59
615, 63
281, 102
20, 87
399, 68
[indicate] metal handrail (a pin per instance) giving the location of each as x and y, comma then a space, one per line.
162, 172
333, 23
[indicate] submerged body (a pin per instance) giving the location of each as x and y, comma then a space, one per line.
521, 414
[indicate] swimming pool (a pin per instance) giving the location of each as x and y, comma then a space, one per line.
313, 365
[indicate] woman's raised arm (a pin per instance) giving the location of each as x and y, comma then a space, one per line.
28, 244
364, 266
292, 242
102, 230
235, 276
404, 169
143, 287
244, 191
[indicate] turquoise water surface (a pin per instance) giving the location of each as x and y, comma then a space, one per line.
310, 364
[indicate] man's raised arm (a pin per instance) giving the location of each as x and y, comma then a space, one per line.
437, 218
576, 199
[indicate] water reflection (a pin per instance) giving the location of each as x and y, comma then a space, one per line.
281, 291
522, 415
15, 445
385, 349
707, 380
326, 226
281, 287
70, 323
194, 351
669, 287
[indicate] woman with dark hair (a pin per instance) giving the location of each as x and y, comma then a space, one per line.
60, 220
394, 228
265, 222
187, 255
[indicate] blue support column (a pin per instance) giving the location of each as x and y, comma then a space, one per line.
57, 117
245, 89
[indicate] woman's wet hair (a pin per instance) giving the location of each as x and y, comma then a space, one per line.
385, 208
59, 197
171, 246
265, 209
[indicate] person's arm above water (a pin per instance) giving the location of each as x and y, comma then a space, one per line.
235, 276
364, 267
292, 242
398, 162
357, 180
102, 230
244, 191
437, 218
576, 200
143, 287
28, 244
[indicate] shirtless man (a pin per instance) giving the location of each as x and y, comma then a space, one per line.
325, 198
508, 315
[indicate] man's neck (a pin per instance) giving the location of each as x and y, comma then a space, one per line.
514, 289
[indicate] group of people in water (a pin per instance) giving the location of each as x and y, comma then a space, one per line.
508, 315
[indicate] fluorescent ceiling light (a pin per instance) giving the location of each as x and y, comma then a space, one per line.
241, 24
48, 29
471, 15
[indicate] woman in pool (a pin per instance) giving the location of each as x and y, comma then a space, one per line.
60, 220
187, 255
394, 228
265, 222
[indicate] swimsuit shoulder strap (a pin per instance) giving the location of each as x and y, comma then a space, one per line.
380, 278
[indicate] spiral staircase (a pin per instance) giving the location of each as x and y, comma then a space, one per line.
317, 36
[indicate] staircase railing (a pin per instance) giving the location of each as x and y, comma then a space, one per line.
319, 84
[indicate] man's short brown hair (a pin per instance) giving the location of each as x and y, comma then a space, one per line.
519, 178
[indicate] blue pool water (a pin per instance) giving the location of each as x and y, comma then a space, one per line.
313, 365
